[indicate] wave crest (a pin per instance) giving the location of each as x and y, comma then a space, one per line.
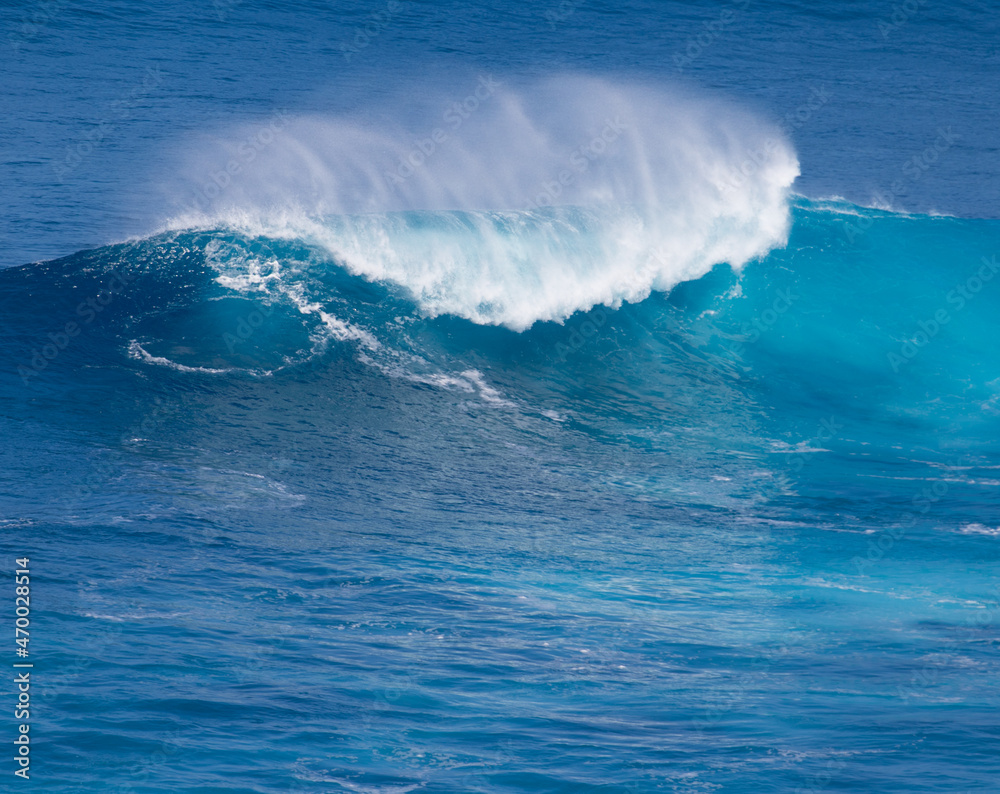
509, 206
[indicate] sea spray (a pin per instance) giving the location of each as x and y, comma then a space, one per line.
510, 205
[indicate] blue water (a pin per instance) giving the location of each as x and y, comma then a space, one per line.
631, 428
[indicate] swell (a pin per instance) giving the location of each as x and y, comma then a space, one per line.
716, 395
865, 313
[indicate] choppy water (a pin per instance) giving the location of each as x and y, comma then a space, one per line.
563, 441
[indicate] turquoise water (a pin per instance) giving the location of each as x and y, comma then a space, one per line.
646, 549
616, 431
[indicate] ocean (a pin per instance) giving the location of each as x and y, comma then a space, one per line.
440, 397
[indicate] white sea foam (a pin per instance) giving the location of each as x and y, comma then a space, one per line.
262, 274
980, 529
139, 353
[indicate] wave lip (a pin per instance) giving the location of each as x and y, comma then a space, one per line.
539, 203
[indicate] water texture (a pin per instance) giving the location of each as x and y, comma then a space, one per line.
435, 398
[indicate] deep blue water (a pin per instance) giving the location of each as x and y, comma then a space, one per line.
502, 398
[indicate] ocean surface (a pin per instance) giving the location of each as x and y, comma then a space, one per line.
439, 398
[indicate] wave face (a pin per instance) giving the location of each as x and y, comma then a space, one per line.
882, 290
513, 206
667, 497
